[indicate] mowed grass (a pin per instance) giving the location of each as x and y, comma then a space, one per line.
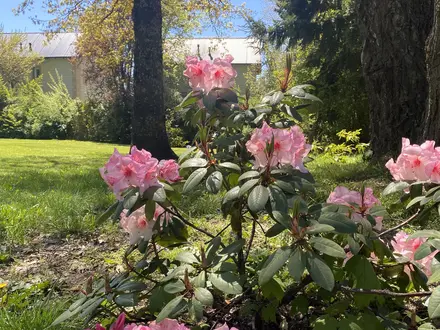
50, 186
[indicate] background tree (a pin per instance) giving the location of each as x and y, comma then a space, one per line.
394, 68
324, 36
16, 59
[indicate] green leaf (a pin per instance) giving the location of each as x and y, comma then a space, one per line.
204, 296
278, 200
320, 272
212, 249
364, 276
234, 247
157, 194
214, 182
174, 287
276, 98
185, 155
297, 264
127, 299
434, 304
173, 307
326, 322
132, 286
328, 247
319, 228
285, 186
425, 233
247, 186
258, 198
426, 326
178, 272
107, 214
231, 195
249, 175
226, 282
423, 251
195, 310
194, 162
414, 201
378, 211
273, 289
273, 264
194, 179
130, 200
187, 257
150, 208
275, 230
435, 277
230, 166
339, 221
394, 187
200, 280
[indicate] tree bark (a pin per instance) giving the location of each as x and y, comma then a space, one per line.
432, 117
148, 125
394, 67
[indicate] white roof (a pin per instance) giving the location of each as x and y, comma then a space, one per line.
244, 50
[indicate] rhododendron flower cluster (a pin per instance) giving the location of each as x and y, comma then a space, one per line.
359, 204
290, 147
138, 226
138, 169
205, 75
166, 324
416, 162
404, 247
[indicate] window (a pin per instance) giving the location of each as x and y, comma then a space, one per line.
36, 72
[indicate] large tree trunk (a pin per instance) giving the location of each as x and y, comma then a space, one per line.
394, 67
432, 117
148, 125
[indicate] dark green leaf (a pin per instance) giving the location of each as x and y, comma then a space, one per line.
171, 308
415, 201
233, 247
434, 304
339, 221
364, 276
423, 251
194, 179
285, 186
249, 175
275, 230
107, 214
178, 272
212, 249
132, 286
200, 280
273, 289
231, 195
157, 194
328, 247
130, 200
194, 162
326, 322
247, 186
127, 299
204, 296
214, 182
226, 282
174, 287
278, 200
230, 166
273, 264
297, 264
394, 187
195, 310
258, 198
320, 271
319, 228
425, 233
187, 257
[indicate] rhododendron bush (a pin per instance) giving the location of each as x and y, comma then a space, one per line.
340, 263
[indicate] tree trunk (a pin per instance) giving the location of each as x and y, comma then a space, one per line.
394, 67
432, 117
148, 125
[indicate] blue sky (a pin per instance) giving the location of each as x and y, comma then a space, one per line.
23, 23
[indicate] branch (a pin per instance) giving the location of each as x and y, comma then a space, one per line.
386, 292
292, 291
399, 225
251, 240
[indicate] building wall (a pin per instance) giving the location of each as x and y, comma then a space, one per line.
64, 68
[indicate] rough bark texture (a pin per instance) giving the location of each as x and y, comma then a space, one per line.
393, 59
148, 126
432, 117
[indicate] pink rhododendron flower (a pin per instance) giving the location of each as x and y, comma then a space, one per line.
225, 327
416, 162
169, 170
405, 247
167, 324
138, 169
138, 226
344, 196
206, 75
290, 147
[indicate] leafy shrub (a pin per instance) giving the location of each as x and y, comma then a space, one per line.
326, 264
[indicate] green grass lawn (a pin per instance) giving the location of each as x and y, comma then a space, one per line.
50, 186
